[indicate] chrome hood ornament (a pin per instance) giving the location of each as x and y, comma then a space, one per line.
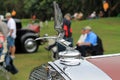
70, 65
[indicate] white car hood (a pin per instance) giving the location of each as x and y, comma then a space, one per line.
84, 71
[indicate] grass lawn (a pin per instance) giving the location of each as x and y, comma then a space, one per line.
108, 29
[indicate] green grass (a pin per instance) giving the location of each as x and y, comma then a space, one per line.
108, 29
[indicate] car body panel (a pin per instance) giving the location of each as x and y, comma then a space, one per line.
83, 71
109, 64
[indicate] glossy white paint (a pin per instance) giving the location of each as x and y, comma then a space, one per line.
84, 71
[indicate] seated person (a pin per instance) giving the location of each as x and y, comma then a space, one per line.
89, 43
82, 37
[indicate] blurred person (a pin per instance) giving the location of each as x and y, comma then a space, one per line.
100, 14
67, 34
1, 43
33, 19
67, 28
106, 8
12, 34
3, 28
82, 37
78, 16
4, 31
3, 36
13, 13
75, 16
89, 43
92, 15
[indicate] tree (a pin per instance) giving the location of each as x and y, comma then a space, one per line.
114, 7
10, 5
43, 9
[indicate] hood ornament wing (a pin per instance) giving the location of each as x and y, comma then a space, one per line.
58, 19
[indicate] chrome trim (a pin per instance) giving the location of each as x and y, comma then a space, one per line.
70, 61
103, 56
55, 66
70, 54
50, 37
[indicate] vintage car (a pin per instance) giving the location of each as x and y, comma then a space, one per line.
70, 65
25, 40
105, 67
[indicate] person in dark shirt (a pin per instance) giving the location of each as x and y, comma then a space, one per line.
67, 34
67, 28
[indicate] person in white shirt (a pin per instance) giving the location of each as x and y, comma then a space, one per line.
82, 37
12, 34
92, 15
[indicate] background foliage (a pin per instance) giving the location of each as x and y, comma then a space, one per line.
43, 9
